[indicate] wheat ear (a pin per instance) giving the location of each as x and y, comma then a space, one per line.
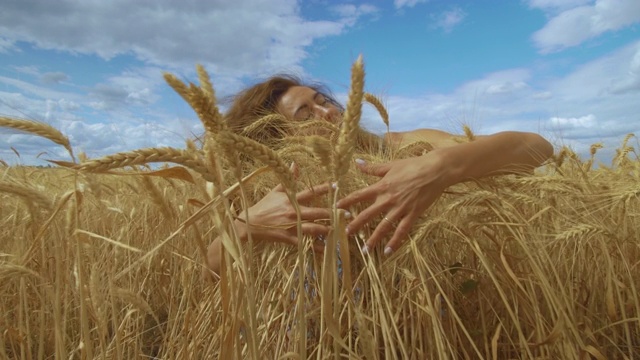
254, 149
200, 98
144, 156
315, 124
321, 149
29, 194
351, 120
178, 86
37, 128
268, 121
205, 106
415, 149
205, 80
468, 132
377, 103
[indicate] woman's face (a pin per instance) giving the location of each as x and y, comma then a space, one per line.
303, 103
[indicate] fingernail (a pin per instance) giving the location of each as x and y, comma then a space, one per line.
388, 251
365, 249
347, 215
360, 162
346, 230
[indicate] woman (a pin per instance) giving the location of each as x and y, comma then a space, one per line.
407, 187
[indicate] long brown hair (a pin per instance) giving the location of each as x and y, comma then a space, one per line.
261, 100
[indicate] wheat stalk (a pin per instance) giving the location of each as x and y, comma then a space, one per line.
350, 123
157, 198
37, 128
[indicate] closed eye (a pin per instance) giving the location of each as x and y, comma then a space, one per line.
321, 99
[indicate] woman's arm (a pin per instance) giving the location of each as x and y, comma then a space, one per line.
502, 153
214, 252
409, 186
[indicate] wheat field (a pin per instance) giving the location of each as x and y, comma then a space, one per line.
103, 258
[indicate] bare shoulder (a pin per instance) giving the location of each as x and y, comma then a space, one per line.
437, 138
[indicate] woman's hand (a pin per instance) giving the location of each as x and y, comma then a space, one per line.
274, 218
407, 188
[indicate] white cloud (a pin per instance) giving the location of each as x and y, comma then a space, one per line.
353, 12
501, 82
408, 3
133, 87
557, 4
629, 82
587, 121
506, 87
543, 95
576, 25
68, 105
449, 19
32, 89
239, 38
54, 77
29, 70
6, 45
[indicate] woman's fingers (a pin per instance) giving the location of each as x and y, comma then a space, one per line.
365, 216
308, 194
368, 193
387, 225
314, 230
314, 213
379, 170
399, 235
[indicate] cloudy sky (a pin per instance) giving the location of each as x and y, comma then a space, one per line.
568, 69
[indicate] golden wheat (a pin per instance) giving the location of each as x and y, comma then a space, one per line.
468, 132
351, 119
29, 194
261, 152
38, 128
377, 103
315, 125
265, 123
146, 156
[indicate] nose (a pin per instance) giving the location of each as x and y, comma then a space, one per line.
329, 113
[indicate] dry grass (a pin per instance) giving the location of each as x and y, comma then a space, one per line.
545, 266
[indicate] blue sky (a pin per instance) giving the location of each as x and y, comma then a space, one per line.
568, 69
